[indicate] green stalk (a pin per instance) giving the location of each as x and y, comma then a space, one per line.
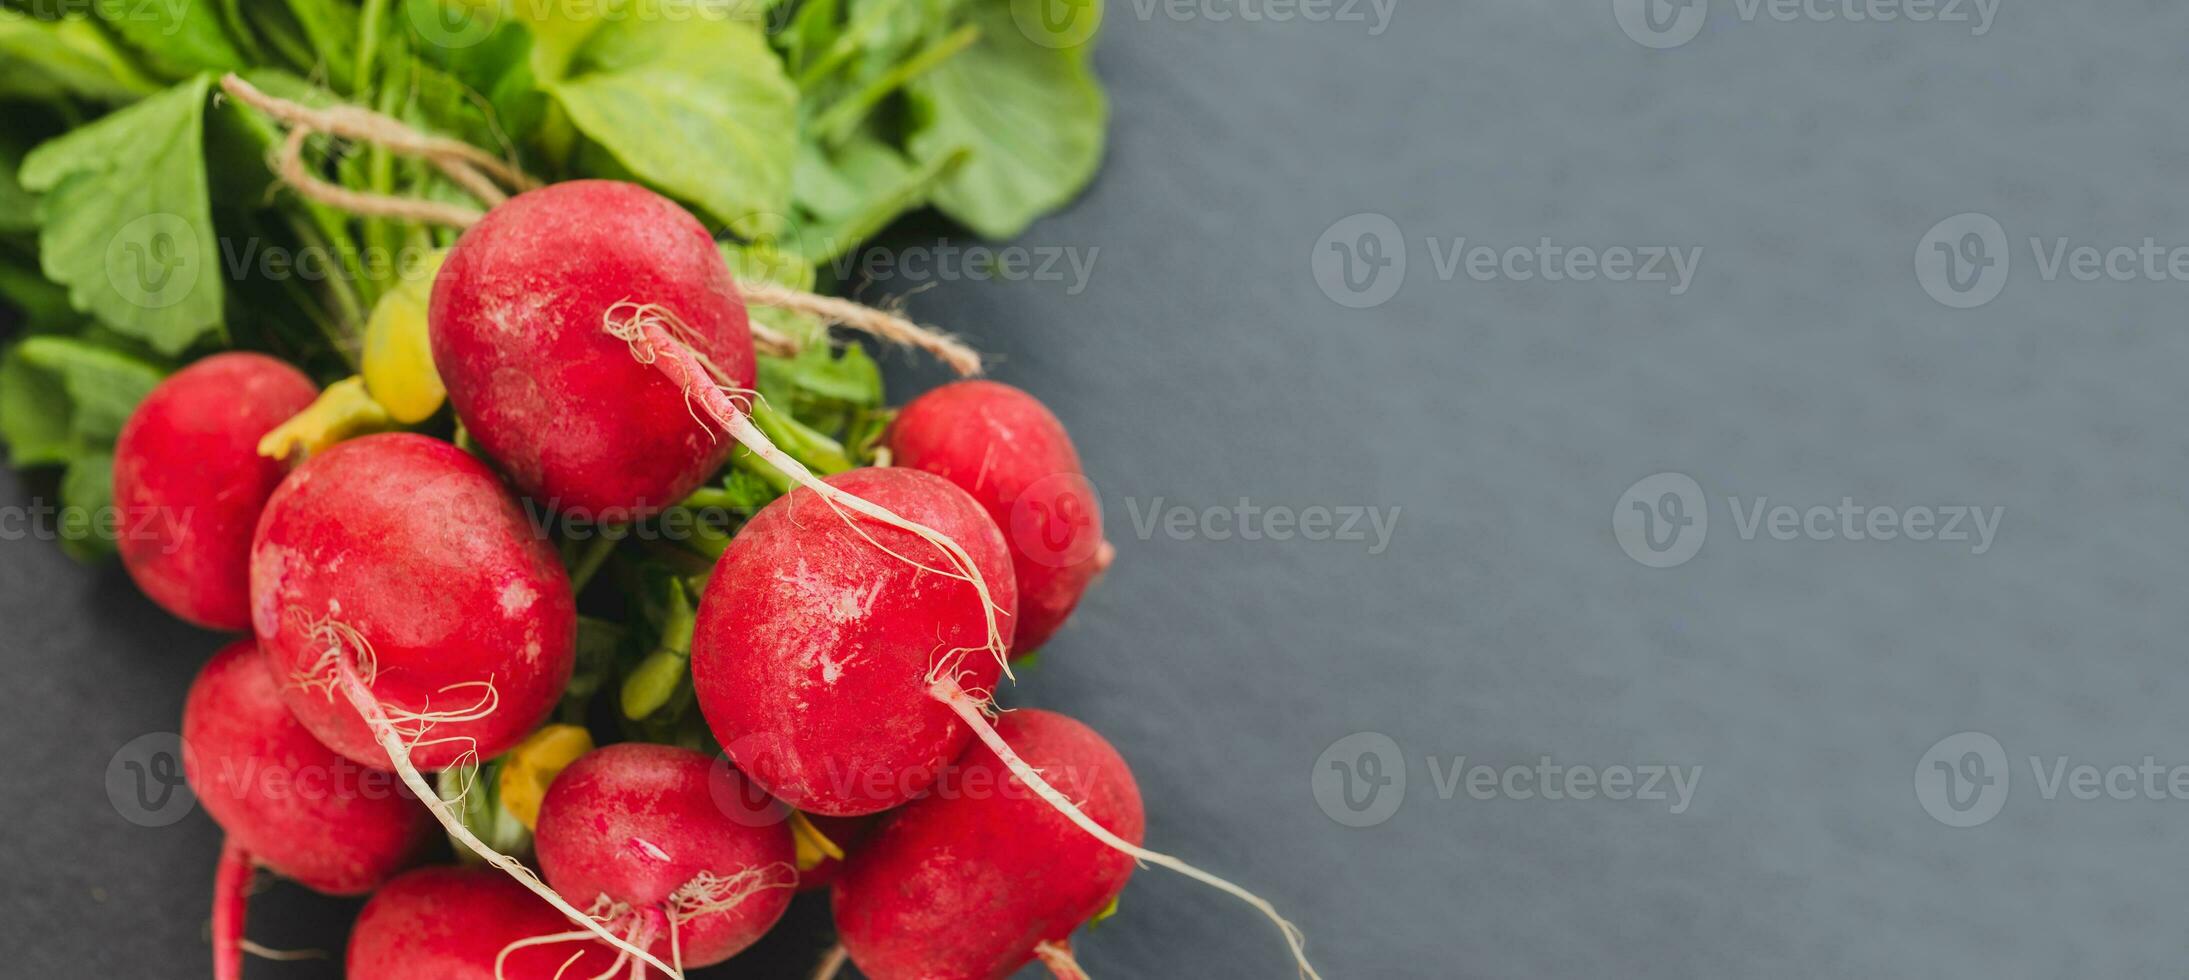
836, 123
368, 46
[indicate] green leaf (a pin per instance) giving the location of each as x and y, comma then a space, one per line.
125, 223
1030, 112
330, 26
178, 37
847, 375
18, 207
700, 109
88, 488
34, 411
104, 385
52, 59
849, 194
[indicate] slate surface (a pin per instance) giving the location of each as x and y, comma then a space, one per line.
1805, 363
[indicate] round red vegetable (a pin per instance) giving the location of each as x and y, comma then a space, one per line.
657, 835
405, 555
966, 881
189, 482
291, 803
817, 648
517, 325
452, 924
1006, 449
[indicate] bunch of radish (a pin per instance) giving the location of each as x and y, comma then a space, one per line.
410, 616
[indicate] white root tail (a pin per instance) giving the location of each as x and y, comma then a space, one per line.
832, 963
1057, 956
347, 649
658, 338
973, 711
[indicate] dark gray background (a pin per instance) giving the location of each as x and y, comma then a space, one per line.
1504, 623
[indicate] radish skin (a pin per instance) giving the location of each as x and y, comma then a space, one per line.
973, 880
818, 639
676, 844
515, 322
284, 800
1009, 451
189, 482
452, 924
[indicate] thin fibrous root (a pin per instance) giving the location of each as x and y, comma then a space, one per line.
353, 686
973, 712
366, 126
1057, 956
231, 884
832, 963
656, 337
880, 324
708, 892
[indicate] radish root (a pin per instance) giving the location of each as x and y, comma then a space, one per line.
973, 711
1057, 956
485, 176
231, 902
705, 893
345, 666
832, 963
658, 338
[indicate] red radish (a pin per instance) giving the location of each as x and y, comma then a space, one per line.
820, 638
1006, 449
669, 849
189, 482
405, 553
967, 881
454, 923
414, 618
285, 801
516, 326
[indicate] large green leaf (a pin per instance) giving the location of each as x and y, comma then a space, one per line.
34, 411
124, 220
180, 38
700, 109
50, 59
88, 488
1024, 105
103, 385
